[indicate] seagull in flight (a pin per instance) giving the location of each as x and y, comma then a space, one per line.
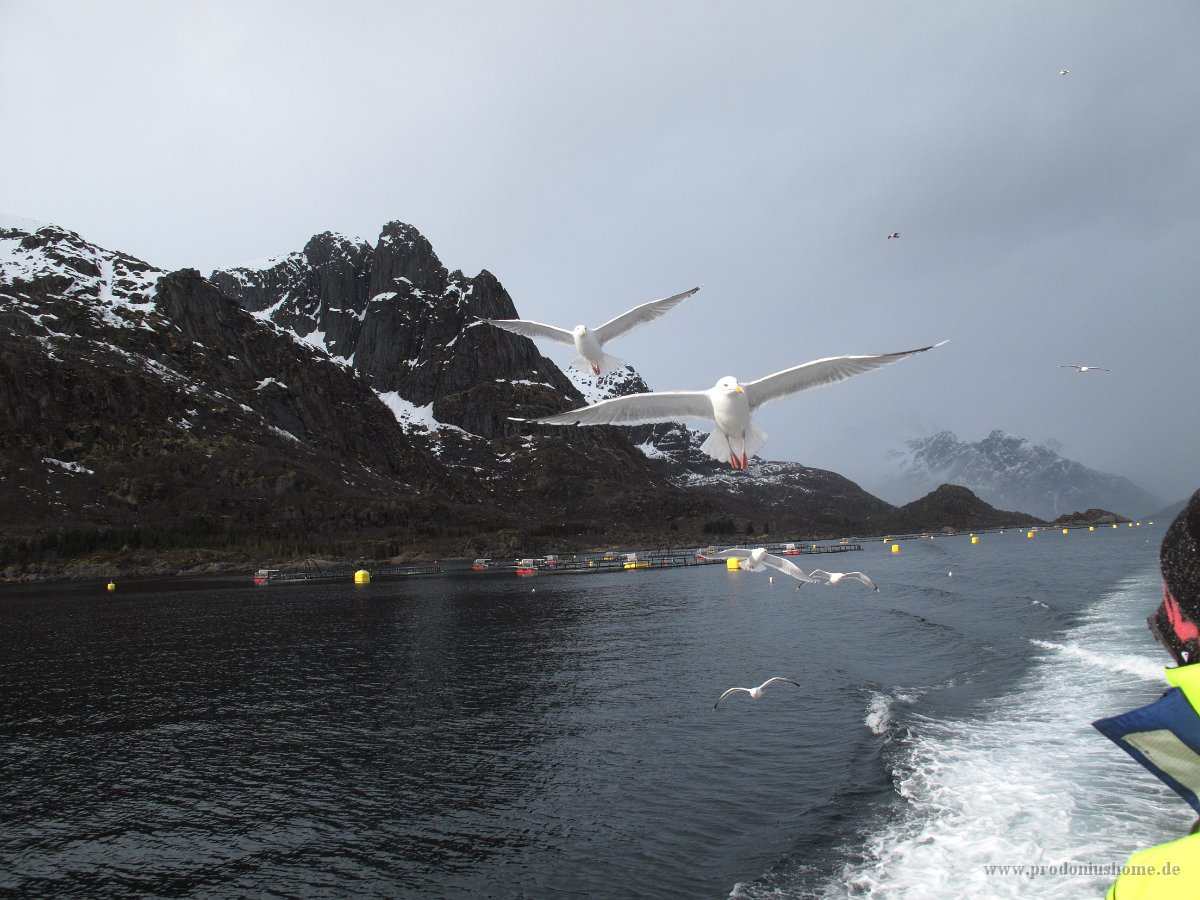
1065, 72
894, 234
1082, 369
755, 692
835, 577
728, 403
589, 343
758, 559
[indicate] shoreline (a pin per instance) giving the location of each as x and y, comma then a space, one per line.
209, 564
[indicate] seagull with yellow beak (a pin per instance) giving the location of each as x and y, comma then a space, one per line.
728, 404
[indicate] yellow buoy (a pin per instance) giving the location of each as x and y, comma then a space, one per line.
1064, 531
974, 539
731, 564
362, 576
1114, 524
895, 548
1091, 528
112, 586
1029, 534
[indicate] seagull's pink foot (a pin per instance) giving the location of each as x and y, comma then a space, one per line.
745, 462
595, 370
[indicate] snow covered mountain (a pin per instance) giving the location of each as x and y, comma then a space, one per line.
1009, 472
341, 396
134, 397
393, 313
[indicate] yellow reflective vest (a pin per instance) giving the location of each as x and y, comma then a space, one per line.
1166, 872
1169, 871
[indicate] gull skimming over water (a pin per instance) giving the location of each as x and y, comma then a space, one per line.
758, 559
835, 577
589, 343
1082, 369
728, 403
755, 692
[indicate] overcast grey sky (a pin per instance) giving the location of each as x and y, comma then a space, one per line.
595, 155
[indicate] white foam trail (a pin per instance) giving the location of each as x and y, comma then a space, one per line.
878, 717
1126, 663
879, 713
1031, 783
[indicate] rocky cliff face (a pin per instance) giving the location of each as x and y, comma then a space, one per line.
138, 397
394, 315
410, 329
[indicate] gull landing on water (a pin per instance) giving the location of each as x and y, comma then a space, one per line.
589, 343
728, 403
754, 692
1082, 369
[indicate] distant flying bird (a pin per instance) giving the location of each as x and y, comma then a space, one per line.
894, 234
755, 692
835, 577
589, 343
1065, 72
728, 403
1082, 369
758, 559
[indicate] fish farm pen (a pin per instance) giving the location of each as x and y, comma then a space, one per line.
640, 560
279, 576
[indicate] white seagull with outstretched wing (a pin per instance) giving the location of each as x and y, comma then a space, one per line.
835, 577
589, 342
755, 692
727, 403
1082, 369
758, 559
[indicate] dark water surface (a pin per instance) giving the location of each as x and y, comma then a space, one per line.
487, 736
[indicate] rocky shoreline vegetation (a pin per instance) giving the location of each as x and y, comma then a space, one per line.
200, 563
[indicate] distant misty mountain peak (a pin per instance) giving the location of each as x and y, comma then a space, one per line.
1009, 472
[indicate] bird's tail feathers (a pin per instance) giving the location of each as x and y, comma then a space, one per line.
608, 364
714, 447
717, 447
755, 438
